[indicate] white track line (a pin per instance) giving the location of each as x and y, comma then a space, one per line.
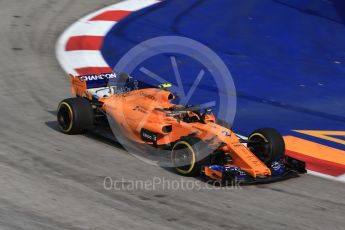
339, 178
91, 28
71, 60
85, 58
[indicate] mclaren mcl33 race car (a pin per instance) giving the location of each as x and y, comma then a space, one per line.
196, 142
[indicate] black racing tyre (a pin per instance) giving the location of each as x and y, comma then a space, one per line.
267, 144
189, 155
75, 115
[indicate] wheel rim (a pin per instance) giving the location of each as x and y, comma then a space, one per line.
65, 117
183, 157
260, 147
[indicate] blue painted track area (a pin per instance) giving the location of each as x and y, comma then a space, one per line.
286, 57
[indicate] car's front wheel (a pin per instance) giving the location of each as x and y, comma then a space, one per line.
267, 144
189, 154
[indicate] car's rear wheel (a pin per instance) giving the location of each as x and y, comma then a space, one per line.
267, 144
189, 154
75, 115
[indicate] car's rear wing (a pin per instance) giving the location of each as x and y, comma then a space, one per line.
81, 85
78, 87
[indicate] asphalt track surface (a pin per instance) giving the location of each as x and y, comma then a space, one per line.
53, 181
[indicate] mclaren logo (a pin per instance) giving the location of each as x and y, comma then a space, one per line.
149, 96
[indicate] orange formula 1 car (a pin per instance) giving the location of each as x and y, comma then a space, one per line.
146, 116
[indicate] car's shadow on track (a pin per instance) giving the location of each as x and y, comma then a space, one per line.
113, 143
95, 136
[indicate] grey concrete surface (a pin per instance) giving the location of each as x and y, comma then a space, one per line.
53, 181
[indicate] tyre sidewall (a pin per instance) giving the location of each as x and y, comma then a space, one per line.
200, 152
81, 113
275, 140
